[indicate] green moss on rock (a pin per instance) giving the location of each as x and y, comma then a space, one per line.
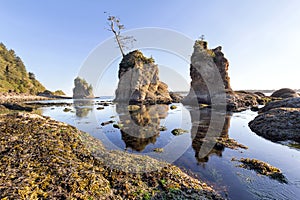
45, 159
178, 131
262, 168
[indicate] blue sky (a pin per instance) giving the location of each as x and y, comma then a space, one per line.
54, 37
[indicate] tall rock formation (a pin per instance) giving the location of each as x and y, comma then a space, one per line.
139, 81
209, 74
204, 63
82, 89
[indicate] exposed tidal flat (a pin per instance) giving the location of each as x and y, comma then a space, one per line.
147, 132
42, 158
47, 157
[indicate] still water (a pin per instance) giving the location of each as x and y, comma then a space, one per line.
151, 127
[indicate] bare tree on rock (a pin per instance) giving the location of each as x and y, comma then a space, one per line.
115, 26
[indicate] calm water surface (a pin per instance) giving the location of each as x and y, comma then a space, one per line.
140, 134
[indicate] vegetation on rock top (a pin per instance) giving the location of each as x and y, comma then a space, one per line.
131, 59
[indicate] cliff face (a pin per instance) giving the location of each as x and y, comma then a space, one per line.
14, 76
139, 81
82, 89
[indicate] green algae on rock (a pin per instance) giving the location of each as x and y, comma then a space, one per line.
158, 150
162, 128
45, 159
42, 158
262, 168
118, 126
67, 109
133, 107
178, 131
173, 107
230, 143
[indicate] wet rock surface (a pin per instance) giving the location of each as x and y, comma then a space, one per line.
278, 120
14, 106
285, 103
262, 168
45, 159
278, 124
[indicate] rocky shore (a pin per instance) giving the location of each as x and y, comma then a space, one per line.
45, 159
19, 97
278, 120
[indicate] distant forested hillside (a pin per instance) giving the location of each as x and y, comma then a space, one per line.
13, 74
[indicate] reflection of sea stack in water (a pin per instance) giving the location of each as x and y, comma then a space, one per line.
139, 81
141, 127
199, 134
83, 107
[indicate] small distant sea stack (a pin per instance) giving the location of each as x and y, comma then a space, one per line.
82, 89
139, 81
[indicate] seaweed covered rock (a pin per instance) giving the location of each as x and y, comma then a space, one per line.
42, 158
139, 81
262, 168
45, 159
82, 89
285, 93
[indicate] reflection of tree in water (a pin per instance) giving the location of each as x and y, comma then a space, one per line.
83, 107
141, 127
200, 125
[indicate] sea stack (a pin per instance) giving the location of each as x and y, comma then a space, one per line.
82, 89
204, 63
139, 81
210, 79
